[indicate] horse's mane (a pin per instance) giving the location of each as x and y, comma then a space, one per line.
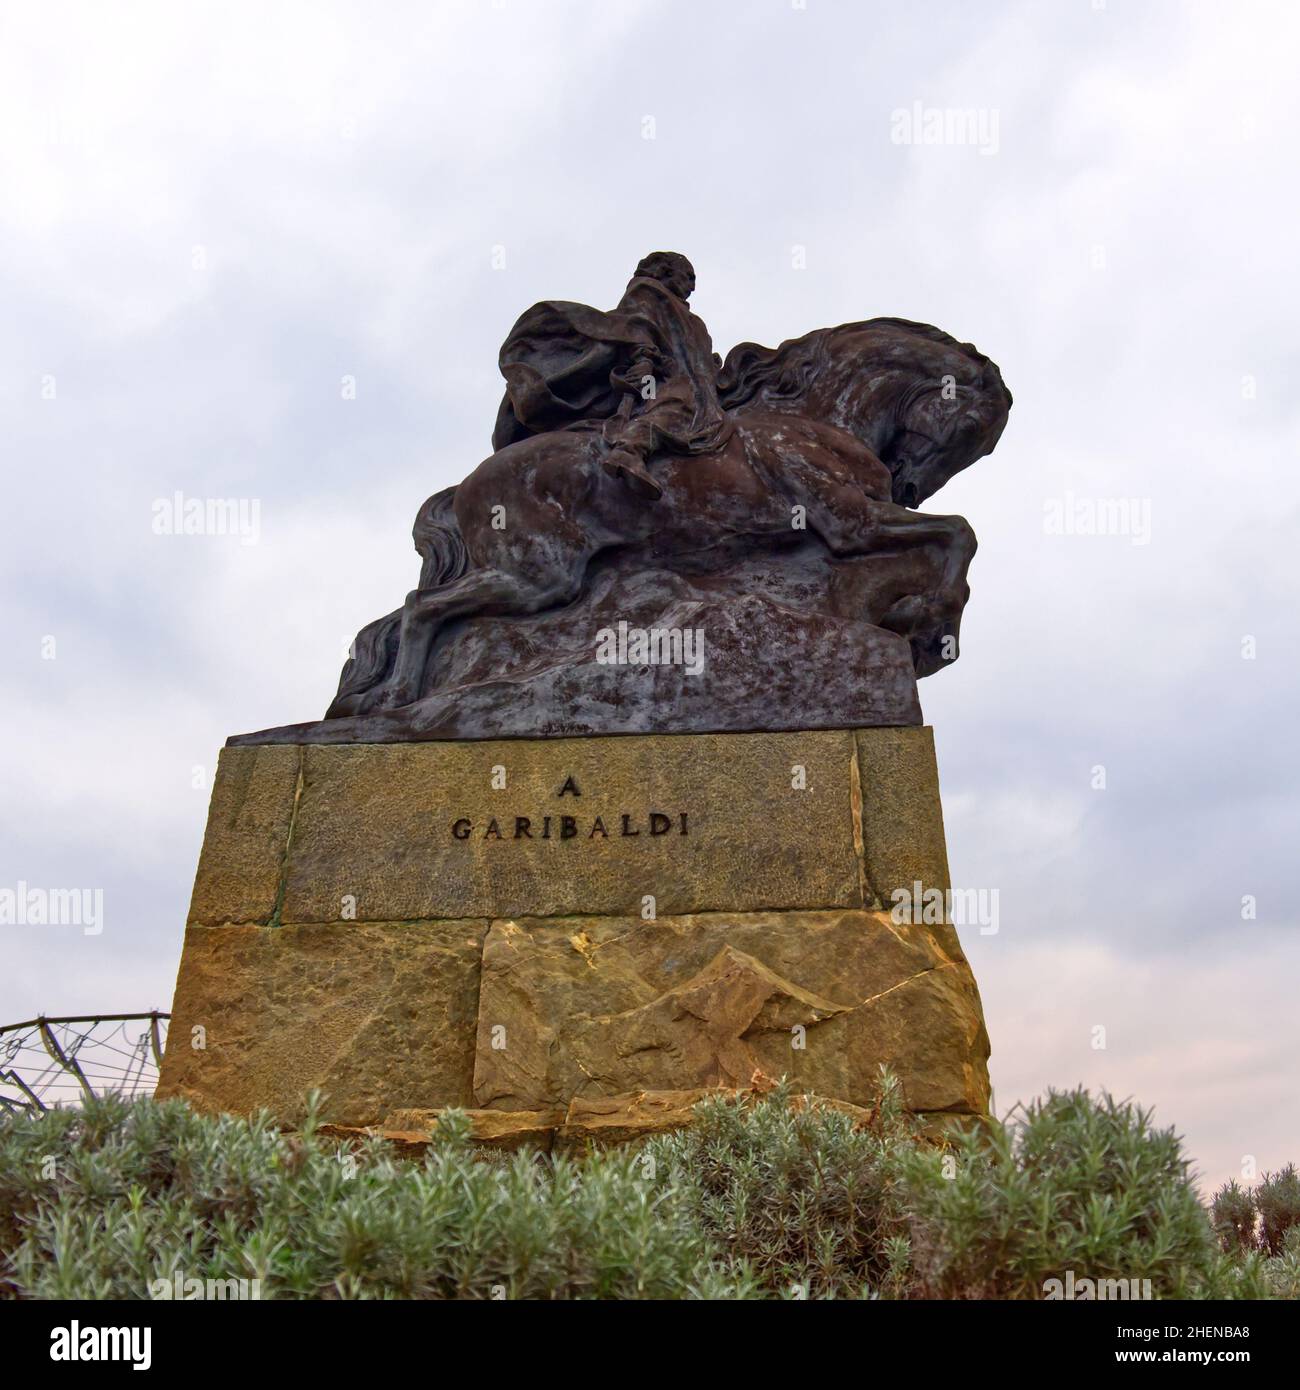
786, 372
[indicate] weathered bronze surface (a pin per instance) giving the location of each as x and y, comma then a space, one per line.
666, 542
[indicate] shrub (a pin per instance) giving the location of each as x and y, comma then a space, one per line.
1277, 1199
1266, 1221
758, 1199
811, 1205
1233, 1214
1080, 1185
1282, 1273
102, 1202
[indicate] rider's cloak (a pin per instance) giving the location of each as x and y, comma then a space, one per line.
566, 364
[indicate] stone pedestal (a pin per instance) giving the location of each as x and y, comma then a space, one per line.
533, 927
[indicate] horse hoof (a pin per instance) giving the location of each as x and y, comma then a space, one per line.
396, 697
376, 701
906, 616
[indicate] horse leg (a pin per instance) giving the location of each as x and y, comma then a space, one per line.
953, 536
935, 553
548, 574
525, 551
852, 523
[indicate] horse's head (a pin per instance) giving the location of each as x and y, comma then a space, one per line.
944, 406
926, 404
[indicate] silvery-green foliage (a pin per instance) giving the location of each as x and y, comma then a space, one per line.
1264, 1220
1277, 1199
144, 1190
1078, 1184
810, 1200
760, 1198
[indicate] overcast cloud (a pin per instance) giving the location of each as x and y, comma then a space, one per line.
210, 215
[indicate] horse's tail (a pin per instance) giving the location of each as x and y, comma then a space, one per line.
439, 542
373, 653
443, 557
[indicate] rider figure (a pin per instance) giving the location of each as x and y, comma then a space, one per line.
670, 403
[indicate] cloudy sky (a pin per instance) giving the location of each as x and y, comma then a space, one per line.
213, 215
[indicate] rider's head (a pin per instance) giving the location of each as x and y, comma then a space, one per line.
671, 270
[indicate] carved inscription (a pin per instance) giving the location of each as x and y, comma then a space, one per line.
620, 825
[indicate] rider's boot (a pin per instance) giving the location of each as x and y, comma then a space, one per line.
622, 463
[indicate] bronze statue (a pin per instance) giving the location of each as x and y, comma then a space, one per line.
765, 503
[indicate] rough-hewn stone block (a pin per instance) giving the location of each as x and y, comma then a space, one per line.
597, 1007
902, 817
378, 1017
247, 837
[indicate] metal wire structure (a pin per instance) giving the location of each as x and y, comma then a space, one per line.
48, 1062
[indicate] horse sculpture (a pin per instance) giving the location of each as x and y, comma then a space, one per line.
808, 458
